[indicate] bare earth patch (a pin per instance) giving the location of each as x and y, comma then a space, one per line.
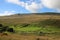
27, 37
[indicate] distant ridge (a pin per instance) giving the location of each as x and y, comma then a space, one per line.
46, 13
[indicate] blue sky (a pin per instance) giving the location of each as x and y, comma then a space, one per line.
11, 6
4, 6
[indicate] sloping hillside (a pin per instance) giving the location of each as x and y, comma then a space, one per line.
27, 18
35, 26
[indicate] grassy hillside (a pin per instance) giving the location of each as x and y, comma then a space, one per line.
27, 18
36, 25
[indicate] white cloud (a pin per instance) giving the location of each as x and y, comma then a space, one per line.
7, 13
13, 1
33, 6
53, 4
16, 2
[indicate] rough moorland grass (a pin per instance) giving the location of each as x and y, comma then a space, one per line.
37, 29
